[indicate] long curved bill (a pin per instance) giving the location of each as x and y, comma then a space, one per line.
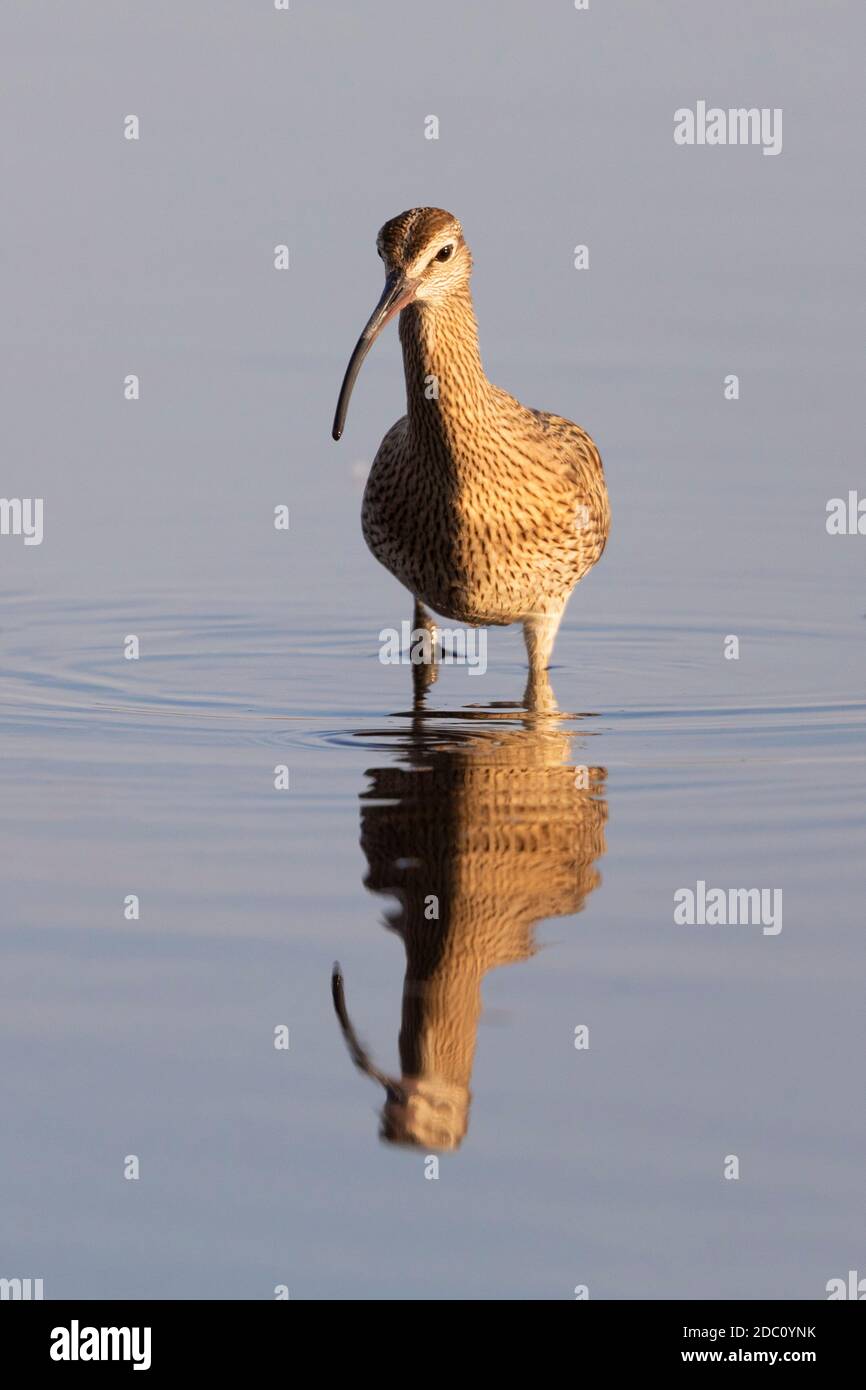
396, 295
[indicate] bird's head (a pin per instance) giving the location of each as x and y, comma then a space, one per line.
426, 259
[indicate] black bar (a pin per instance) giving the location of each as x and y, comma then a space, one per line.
221, 1338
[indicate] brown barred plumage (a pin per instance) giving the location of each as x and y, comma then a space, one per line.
487, 511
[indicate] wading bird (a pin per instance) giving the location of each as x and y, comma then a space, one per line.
488, 512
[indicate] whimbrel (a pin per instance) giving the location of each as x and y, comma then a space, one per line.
488, 512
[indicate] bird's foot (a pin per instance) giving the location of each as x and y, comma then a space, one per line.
538, 697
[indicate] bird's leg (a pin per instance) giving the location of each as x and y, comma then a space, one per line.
424, 673
539, 634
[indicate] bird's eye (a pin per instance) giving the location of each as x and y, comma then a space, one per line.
443, 254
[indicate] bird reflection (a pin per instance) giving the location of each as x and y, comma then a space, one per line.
479, 830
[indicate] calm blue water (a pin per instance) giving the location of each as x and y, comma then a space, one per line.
603, 1166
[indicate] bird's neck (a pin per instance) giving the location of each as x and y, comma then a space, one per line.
446, 387
441, 1010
